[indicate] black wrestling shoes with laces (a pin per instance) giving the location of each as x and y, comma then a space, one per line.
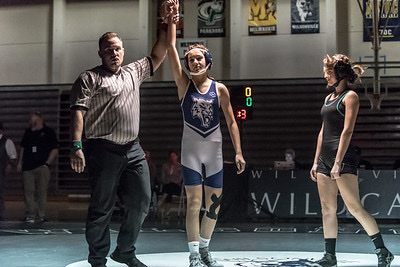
328, 260
384, 257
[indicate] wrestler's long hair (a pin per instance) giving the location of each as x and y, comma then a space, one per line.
343, 68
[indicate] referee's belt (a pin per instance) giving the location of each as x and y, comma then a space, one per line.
111, 145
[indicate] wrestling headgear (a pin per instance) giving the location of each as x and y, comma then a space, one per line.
206, 54
342, 70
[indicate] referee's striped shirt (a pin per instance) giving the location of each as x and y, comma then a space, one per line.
111, 100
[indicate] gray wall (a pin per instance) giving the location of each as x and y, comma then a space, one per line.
52, 41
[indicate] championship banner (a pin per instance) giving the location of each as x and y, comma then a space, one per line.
262, 17
292, 194
389, 16
211, 18
179, 26
305, 16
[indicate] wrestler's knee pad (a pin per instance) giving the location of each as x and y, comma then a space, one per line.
212, 213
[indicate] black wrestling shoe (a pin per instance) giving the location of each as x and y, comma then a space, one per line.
328, 260
384, 257
134, 262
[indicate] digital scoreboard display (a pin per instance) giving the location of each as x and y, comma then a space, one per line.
242, 102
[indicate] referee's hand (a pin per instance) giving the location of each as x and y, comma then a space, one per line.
77, 160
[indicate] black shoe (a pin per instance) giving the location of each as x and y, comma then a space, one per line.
42, 220
328, 260
30, 219
384, 257
134, 262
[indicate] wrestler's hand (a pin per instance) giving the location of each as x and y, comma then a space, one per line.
169, 9
173, 11
335, 172
77, 160
313, 172
174, 6
240, 163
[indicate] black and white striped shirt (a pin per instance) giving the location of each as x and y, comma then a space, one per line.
112, 100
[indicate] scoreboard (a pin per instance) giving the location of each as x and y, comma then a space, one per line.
242, 102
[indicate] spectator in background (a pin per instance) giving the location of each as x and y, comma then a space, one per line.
290, 156
8, 159
39, 149
171, 178
152, 169
362, 163
154, 184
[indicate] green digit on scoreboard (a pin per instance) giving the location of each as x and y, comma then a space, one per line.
249, 98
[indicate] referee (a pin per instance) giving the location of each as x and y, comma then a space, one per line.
105, 102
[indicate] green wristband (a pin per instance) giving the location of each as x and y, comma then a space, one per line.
76, 144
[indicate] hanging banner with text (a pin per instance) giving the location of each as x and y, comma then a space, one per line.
305, 16
211, 18
262, 17
183, 44
389, 22
292, 194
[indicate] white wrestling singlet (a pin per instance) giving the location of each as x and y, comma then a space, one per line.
202, 138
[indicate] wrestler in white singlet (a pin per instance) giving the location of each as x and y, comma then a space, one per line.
202, 138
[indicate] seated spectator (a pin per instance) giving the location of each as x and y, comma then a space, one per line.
290, 156
152, 169
362, 163
171, 178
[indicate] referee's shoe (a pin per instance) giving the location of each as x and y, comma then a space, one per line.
133, 262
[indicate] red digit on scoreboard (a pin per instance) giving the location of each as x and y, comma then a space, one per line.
241, 114
242, 102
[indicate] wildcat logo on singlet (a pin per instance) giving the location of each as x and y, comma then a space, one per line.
203, 109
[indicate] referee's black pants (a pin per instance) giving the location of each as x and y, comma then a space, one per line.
2, 183
114, 167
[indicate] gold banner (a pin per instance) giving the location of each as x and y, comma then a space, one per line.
262, 17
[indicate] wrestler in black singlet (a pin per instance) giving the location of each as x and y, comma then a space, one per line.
332, 113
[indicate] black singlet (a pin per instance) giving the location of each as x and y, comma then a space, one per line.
333, 113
